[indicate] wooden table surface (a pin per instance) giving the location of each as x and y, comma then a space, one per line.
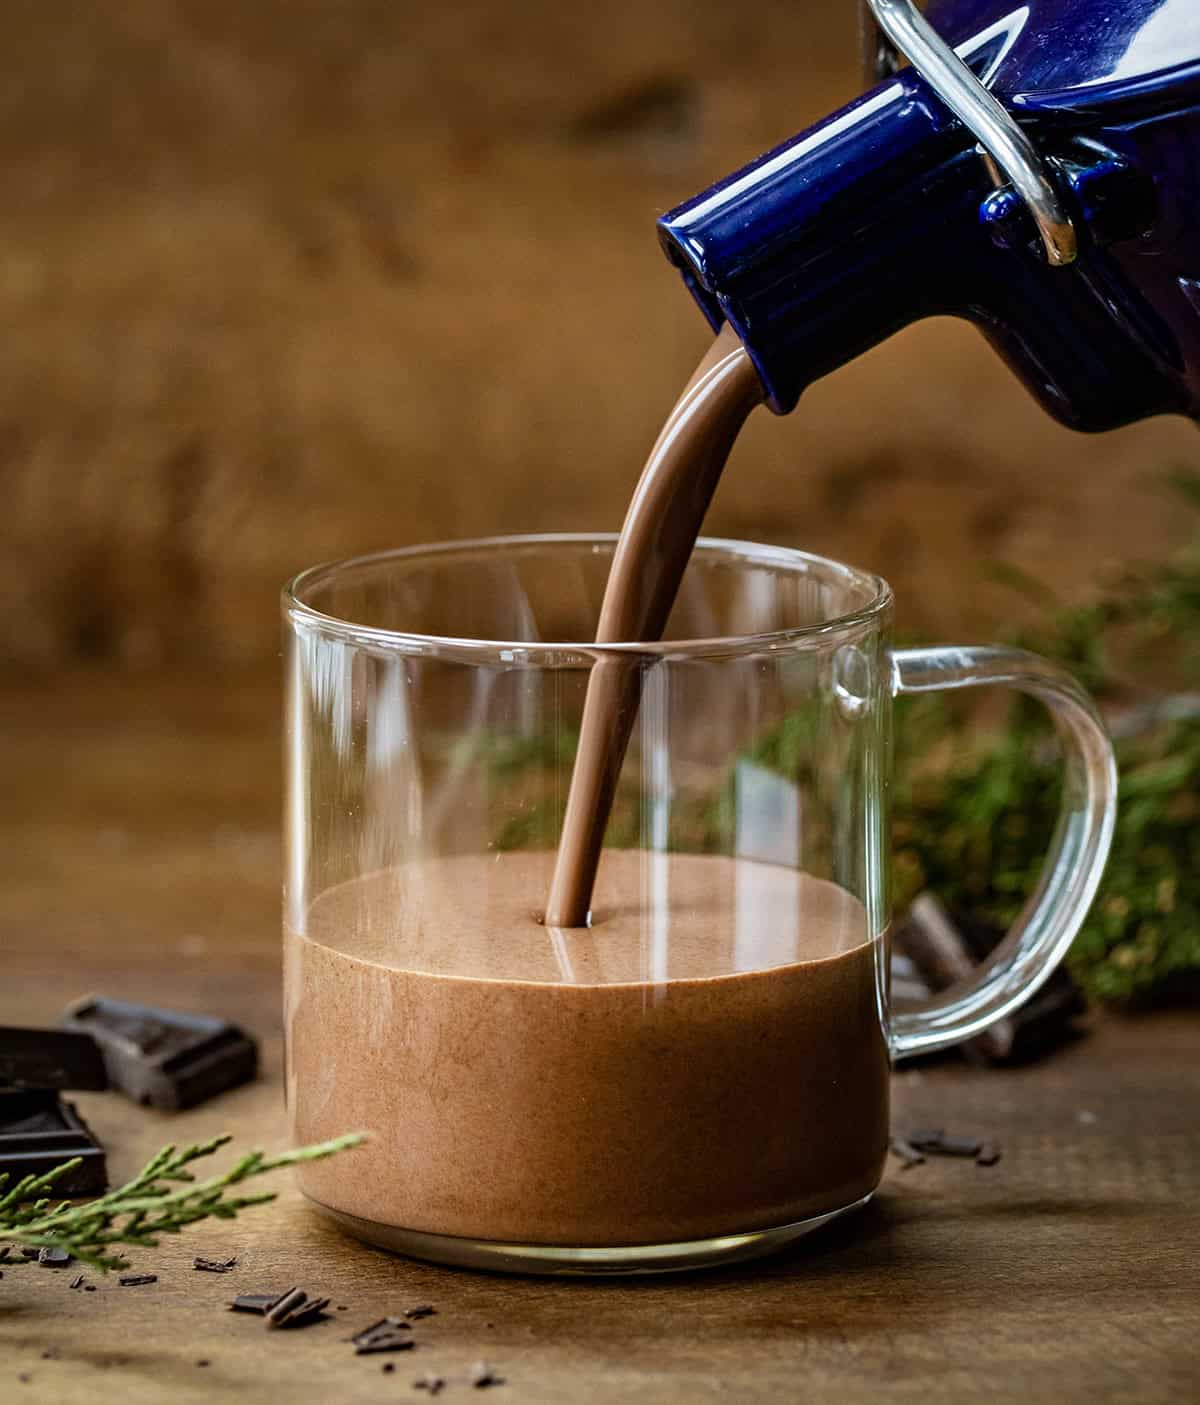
140, 853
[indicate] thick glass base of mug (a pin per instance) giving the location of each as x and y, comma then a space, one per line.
500, 1257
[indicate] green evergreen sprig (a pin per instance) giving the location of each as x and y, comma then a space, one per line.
162, 1198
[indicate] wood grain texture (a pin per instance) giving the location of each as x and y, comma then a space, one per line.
138, 835
290, 280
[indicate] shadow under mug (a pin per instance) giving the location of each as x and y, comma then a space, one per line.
701, 1075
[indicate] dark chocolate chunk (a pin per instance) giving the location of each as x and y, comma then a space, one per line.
39, 1131
89, 1287
414, 1314
908, 1154
164, 1058
50, 1059
215, 1265
253, 1302
934, 949
135, 1280
989, 1154
483, 1376
433, 1384
53, 1257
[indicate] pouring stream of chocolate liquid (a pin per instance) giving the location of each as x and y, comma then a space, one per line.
656, 541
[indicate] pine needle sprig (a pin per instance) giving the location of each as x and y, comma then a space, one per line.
162, 1198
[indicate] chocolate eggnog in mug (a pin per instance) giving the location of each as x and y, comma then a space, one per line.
586, 890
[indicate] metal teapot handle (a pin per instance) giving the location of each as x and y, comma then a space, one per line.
893, 27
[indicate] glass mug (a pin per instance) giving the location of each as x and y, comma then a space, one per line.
702, 1074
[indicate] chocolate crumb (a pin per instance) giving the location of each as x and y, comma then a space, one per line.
202, 1362
414, 1314
89, 1287
388, 1367
24, 1378
341, 1307
54, 1257
483, 1376
135, 1280
77, 1281
433, 1384
989, 1154
50, 1354
215, 1265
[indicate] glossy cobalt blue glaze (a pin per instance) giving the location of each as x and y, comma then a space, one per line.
885, 213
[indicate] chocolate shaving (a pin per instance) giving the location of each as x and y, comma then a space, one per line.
939, 1143
295, 1309
433, 1384
215, 1265
253, 1302
483, 1376
135, 1280
77, 1281
908, 1154
414, 1314
388, 1334
989, 1154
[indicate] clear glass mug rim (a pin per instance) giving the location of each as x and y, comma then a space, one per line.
792, 559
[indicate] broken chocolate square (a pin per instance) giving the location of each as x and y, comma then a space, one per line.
163, 1058
38, 1131
50, 1058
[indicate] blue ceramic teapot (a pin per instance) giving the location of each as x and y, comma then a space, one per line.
1036, 170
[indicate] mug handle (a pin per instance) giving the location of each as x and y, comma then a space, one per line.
1039, 938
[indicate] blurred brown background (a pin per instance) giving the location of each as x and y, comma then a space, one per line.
289, 279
